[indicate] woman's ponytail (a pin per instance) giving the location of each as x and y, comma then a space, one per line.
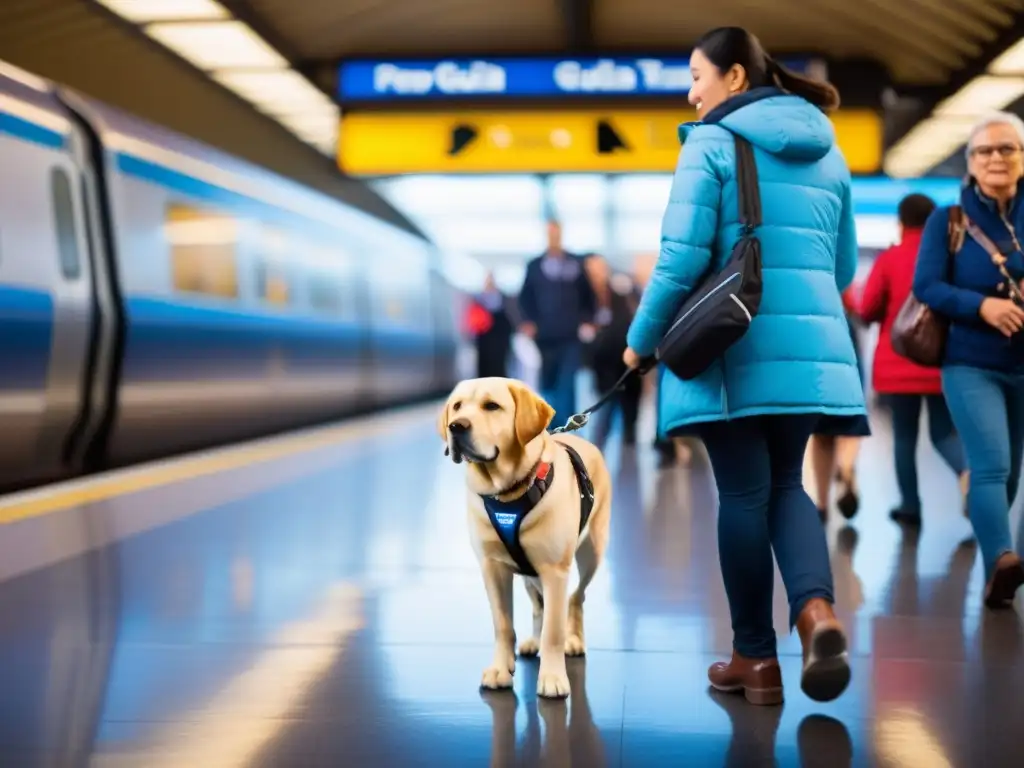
819, 92
726, 47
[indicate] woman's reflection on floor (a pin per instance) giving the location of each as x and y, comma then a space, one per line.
822, 741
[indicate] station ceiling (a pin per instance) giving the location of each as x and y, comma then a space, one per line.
78, 44
926, 49
919, 42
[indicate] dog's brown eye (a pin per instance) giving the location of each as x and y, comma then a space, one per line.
457, 406
491, 406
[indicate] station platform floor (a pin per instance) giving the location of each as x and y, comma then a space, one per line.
312, 600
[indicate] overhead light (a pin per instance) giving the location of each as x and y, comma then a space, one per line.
1010, 61
936, 138
217, 45
983, 94
278, 92
143, 11
927, 144
205, 33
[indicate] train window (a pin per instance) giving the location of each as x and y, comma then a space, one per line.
64, 218
272, 283
325, 293
272, 279
204, 247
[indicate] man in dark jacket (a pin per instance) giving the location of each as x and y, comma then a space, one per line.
557, 302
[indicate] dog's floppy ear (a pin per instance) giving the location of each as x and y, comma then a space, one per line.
442, 422
533, 414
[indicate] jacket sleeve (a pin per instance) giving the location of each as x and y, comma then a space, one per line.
527, 298
846, 246
688, 232
875, 297
930, 276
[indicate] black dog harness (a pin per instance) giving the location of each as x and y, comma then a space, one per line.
507, 516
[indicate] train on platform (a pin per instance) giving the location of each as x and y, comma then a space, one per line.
159, 296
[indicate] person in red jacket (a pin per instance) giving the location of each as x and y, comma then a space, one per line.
903, 385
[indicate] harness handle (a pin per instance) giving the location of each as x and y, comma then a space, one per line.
579, 420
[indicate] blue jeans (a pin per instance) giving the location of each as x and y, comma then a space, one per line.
988, 411
762, 507
906, 422
559, 369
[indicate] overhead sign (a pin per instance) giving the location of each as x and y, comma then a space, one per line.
511, 77
537, 141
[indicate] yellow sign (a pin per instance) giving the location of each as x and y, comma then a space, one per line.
534, 141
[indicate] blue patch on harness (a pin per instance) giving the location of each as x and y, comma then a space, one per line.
506, 519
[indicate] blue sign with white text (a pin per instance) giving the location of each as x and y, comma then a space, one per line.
517, 78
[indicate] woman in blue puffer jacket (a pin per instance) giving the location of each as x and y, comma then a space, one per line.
756, 407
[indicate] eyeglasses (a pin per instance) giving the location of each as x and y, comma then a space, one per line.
986, 152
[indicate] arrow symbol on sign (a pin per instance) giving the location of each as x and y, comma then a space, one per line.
608, 139
462, 136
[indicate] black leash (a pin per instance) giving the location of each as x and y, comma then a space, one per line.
579, 420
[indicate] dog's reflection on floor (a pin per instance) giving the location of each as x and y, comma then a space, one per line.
569, 736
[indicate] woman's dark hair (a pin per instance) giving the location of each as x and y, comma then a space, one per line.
726, 46
914, 210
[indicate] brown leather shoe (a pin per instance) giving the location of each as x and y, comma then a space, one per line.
1007, 578
826, 661
760, 680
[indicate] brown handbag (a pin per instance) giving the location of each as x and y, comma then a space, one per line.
918, 333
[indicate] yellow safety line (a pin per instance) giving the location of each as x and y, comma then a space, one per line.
187, 468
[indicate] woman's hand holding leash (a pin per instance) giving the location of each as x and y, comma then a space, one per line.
635, 366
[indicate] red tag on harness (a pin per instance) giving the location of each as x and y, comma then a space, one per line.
542, 470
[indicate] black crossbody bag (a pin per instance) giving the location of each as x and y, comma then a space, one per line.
719, 312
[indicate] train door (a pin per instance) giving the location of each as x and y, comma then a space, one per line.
73, 316
84, 449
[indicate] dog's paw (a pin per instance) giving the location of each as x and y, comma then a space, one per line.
552, 685
574, 646
495, 678
529, 647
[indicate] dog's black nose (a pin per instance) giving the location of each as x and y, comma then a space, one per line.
459, 427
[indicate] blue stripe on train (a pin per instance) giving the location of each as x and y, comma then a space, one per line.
169, 341
26, 331
37, 134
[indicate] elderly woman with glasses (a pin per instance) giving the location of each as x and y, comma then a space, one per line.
978, 290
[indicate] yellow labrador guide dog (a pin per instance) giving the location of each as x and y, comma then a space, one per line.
536, 501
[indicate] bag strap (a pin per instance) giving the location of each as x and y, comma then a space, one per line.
956, 228
954, 238
746, 183
996, 255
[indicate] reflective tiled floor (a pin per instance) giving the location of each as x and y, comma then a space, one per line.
335, 617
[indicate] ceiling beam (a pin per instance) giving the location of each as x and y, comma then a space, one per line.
930, 97
578, 16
